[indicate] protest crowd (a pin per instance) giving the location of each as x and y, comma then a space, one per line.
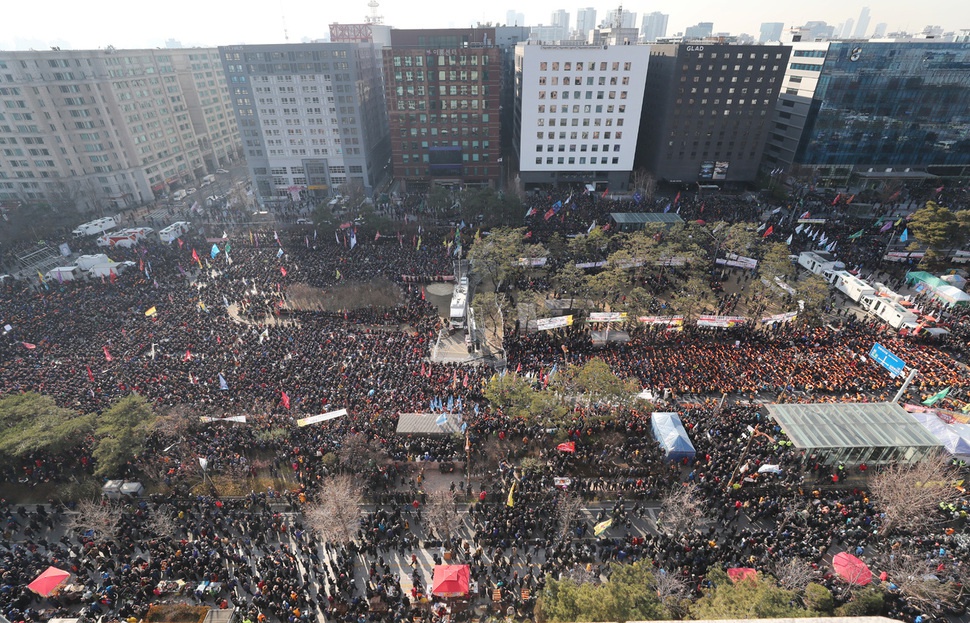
206, 324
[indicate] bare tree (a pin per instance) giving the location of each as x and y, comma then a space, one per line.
644, 183
909, 496
921, 581
794, 574
100, 517
671, 590
681, 510
581, 574
568, 508
357, 452
162, 524
442, 514
335, 515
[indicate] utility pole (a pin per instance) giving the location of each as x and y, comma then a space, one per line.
909, 379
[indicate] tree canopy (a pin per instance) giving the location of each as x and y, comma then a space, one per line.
939, 228
624, 597
31, 422
120, 433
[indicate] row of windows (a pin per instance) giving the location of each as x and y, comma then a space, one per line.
465, 157
588, 66
442, 105
740, 55
806, 67
582, 160
420, 76
449, 59
809, 53
467, 172
574, 122
590, 80
462, 90
736, 68
587, 109
579, 95
582, 147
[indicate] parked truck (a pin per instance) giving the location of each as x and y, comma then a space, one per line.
64, 273
818, 262
889, 311
85, 262
459, 304
117, 239
92, 228
851, 286
104, 270
173, 232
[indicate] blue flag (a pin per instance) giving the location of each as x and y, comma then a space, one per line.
222, 383
442, 420
215, 251
903, 237
279, 253
667, 209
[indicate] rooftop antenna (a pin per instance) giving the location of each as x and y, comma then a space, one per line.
374, 17
286, 34
618, 18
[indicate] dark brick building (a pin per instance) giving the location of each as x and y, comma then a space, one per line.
443, 91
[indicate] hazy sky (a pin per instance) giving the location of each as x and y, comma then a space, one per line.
127, 24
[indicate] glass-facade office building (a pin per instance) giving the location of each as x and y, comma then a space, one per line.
898, 106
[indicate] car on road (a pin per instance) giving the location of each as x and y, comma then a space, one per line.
190, 191
304, 221
223, 171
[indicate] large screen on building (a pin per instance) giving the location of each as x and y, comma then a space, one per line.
720, 170
445, 159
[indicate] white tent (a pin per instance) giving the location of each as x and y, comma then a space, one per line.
954, 437
952, 296
957, 281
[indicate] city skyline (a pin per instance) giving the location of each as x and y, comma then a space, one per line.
84, 26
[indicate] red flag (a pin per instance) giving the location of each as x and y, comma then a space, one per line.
807, 214
107, 355
851, 197
548, 215
188, 355
465, 381
283, 271
422, 369
422, 293
180, 242
195, 258
29, 346
768, 232
518, 368
141, 265
528, 234
677, 198
112, 276
606, 192
285, 398
90, 374
837, 197
567, 446
377, 236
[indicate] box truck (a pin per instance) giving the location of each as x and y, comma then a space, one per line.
64, 273
85, 262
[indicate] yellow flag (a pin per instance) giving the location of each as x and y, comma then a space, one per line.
151, 311
602, 526
511, 502
40, 276
419, 244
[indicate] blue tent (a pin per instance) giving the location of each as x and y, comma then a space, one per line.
669, 432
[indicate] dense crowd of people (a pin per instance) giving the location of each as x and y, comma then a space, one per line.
206, 324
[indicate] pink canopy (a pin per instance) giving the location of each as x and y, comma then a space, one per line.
851, 569
450, 581
48, 581
742, 573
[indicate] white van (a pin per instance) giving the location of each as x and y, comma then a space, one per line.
208, 179
63, 273
179, 195
85, 262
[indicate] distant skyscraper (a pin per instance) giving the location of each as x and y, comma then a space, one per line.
560, 19
846, 31
514, 18
654, 26
627, 19
880, 30
770, 31
862, 27
585, 21
699, 31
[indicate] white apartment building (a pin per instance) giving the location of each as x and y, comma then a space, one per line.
106, 129
578, 112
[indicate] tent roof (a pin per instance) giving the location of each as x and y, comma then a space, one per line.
850, 425
954, 437
426, 424
670, 432
450, 580
666, 218
925, 277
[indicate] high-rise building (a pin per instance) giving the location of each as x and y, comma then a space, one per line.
704, 119
845, 32
862, 26
514, 18
868, 112
619, 18
560, 19
577, 113
443, 98
107, 129
701, 30
653, 26
880, 30
311, 116
771, 31
585, 21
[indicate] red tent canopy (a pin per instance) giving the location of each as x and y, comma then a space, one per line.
742, 573
851, 569
48, 581
450, 581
